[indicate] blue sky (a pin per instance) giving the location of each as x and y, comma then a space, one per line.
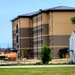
12, 8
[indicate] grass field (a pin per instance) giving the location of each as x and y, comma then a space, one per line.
38, 71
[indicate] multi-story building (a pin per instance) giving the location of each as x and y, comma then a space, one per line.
51, 27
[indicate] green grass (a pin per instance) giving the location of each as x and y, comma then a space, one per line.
38, 71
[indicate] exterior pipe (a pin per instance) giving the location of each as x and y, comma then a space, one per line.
37, 33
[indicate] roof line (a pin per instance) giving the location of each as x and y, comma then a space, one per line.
58, 8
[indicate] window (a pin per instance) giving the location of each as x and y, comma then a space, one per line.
16, 28
17, 39
18, 46
40, 41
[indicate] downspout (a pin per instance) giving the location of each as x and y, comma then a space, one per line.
20, 39
52, 30
37, 33
12, 34
29, 36
41, 31
32, 38
29, 32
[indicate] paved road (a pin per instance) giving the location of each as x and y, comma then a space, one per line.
37, 66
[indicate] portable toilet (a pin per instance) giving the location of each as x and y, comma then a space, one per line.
72, 47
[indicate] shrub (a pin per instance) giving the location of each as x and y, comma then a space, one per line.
45, 55
73, 20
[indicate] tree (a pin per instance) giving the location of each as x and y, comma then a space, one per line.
45, 55
73, 20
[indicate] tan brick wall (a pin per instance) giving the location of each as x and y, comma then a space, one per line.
34, 21
61, 23
14, 24
24, 22
45, 18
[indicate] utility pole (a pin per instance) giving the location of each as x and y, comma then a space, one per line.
8, 45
